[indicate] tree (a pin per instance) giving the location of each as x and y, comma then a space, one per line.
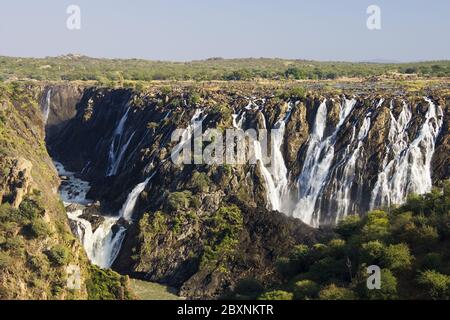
348, 226
376, 226
248, 288
276, 295
333, 292
371, 252
59, 255
306, 289
397, 257
436, 285
388, 290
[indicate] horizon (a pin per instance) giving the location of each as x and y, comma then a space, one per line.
320, 31
80, 55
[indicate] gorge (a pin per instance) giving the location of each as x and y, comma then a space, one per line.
346, 155
201, 228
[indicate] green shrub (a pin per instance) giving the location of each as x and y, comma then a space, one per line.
397, 257
38, 228
376, 226
348, 226
248, 288
106, 285
371, 252
306, 289
276, 295
333, 292
59, 255
38, 263
435, 284
200, 182
388, 290
5, 260
285, 268
179, 200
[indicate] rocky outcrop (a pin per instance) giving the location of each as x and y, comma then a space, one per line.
16, 180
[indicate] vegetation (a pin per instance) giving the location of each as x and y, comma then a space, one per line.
107, 285
123, 72
410, 244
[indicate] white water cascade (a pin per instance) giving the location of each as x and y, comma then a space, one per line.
128, 207
118, 148
409, 168
103, 244
189, 132
343, 186
46, 109
318, 160
276, 175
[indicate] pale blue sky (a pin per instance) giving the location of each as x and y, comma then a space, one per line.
197, 29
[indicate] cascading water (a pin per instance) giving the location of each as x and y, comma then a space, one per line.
117, 148
128, 207
318, 160
276, 175
190, 131
103, 244
409, 171
342, 187
46, 109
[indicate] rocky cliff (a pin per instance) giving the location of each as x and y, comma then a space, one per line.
40, 258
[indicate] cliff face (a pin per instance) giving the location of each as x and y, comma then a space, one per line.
40, 258
202, 227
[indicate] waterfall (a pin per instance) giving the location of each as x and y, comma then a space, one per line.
127, 209
275, 176
342, 187
117, 149
188, 133
317, 164
409, 170
102, 245
46, 109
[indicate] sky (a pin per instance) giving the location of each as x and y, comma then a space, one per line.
183, 30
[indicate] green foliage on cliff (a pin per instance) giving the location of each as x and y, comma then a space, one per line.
107, 285
411, 245
224, 227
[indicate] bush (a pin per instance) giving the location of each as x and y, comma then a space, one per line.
200, 182
179, 200
306, 289
106, 285
5, 261
299, 258
249, 288
38, 263
436, 285
328, 269
348, 226
285, 268
333, 292
371, 252
376, 226
277, 295
58, 255
38, 228
397, 257
388, 290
